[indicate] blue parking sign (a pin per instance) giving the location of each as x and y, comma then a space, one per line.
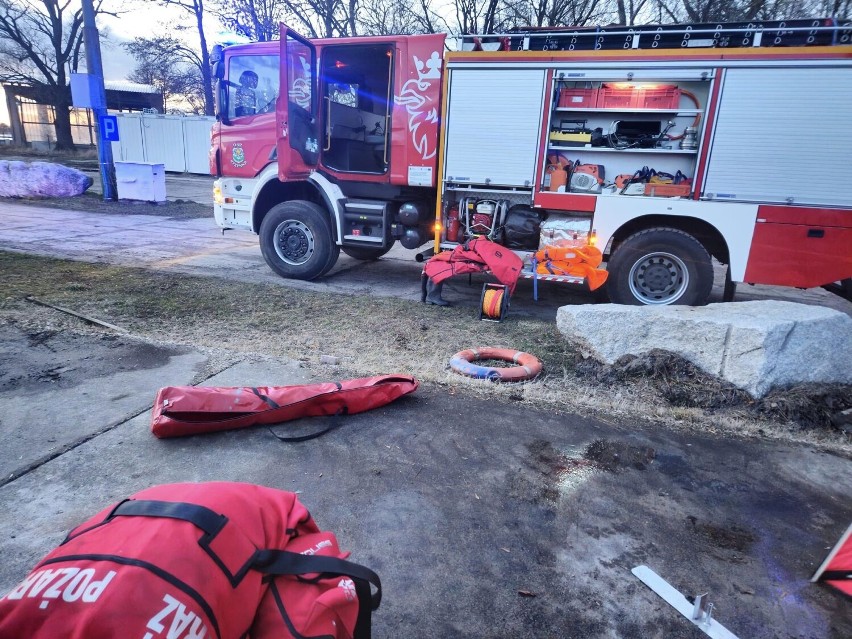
108, 125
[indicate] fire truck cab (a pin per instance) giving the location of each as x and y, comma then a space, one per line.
342, 158
665, 147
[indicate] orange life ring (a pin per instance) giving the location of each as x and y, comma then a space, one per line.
527, 366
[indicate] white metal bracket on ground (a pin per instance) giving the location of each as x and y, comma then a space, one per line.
699, 613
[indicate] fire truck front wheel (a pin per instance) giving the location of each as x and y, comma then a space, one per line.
296, 240
660, 266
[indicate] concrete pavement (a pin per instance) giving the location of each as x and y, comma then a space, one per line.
483, 519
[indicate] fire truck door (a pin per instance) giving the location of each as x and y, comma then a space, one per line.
296, 113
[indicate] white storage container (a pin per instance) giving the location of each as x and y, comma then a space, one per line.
141, 181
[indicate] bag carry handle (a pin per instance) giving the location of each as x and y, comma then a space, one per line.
334, 422
282, 562
209, 521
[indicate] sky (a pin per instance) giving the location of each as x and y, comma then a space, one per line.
143, 19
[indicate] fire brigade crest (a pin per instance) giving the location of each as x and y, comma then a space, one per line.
420, 104
238, 156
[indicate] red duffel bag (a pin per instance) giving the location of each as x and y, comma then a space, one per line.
310, 597
181, 561
190, 410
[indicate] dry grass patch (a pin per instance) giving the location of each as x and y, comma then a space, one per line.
382, 335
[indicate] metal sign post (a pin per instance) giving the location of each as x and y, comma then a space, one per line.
105, 122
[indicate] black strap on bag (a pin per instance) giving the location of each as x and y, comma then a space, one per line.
334, 422
213, 525
282, 562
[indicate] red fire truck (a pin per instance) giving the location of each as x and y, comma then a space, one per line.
664, 146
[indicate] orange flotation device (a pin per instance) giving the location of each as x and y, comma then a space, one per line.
577, 261
527, 366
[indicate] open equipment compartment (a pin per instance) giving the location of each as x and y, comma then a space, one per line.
625, 131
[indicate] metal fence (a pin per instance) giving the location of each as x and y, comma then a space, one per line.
37, 121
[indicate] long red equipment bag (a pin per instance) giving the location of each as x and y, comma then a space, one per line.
189, 410
194, 561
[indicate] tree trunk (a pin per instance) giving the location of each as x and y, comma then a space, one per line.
206, 75
62, 126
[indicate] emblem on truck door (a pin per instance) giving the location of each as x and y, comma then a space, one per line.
238, 156
420, 104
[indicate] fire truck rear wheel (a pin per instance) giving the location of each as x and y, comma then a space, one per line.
296, 240
366, 254
660, 266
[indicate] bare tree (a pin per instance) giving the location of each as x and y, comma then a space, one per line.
256, 20
168, 64
386, 17
629, 10
195, 10
557, 13
322, 18
40, 43
725, 10
479, 16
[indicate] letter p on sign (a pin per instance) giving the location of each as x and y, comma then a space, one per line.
109, 128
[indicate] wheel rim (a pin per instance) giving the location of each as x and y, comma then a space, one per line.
659, 278
294, 242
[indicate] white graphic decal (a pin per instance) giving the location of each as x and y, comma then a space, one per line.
184, 624
71, 584
325, 543
419, 105
348, 587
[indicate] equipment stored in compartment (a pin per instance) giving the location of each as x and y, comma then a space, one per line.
612, 96
522, 228
642, 134
556, 173
482, 217
586, 178
647, 181
565, 231
573, 96
571, 133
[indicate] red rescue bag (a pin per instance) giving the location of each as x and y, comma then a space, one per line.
186, 561
476, 256
189, 410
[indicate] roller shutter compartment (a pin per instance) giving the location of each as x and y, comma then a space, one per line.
493, 126
783, 135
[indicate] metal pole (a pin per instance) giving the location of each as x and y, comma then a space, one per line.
95, 69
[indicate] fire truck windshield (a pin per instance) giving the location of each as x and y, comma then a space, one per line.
252, 84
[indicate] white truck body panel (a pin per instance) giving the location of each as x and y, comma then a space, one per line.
735, 221
783, 136
493, 125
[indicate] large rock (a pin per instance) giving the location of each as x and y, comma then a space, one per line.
41, 179
754, 345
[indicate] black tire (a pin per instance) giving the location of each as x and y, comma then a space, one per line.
660, 266
296, 240
730, 287
365, 253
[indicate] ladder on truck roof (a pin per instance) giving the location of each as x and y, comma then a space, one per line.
780, 33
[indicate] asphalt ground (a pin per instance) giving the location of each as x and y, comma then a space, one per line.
484, 519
